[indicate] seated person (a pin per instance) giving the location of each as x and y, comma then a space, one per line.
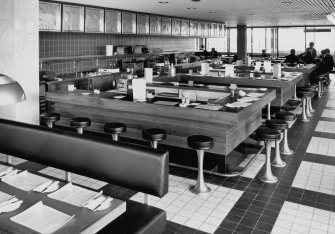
308, 58
214, 53
291, 58
264, 54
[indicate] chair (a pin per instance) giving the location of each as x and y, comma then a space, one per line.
115, 129
50, 118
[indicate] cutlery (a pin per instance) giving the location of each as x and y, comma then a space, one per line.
103, 205
6, 171
10, 200
43, 186
52, 187
11, 173
94, 203
95, 196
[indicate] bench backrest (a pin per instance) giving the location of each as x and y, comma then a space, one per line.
128, 165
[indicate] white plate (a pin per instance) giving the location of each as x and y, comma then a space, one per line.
119, 97
85, 94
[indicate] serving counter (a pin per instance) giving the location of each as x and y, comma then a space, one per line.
227, 127
285, 87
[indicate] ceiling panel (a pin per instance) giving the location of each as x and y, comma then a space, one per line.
233, 12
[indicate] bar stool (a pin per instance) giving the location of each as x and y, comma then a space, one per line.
313, 87
50, 118
80, 123
321, 79
287, 117
268, 136
115, 129
281, 126
200, 143
309, 109
154, 135
303, 94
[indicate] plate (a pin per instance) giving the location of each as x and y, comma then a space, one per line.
85, 94
119, 97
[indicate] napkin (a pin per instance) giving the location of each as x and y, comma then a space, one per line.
73, 194
42, 186
42, 218
10, 205
255, 94
208, 107
4, 197
248, 99
25, 180
5, 169
238, 104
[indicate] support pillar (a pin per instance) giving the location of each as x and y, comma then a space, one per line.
241, 42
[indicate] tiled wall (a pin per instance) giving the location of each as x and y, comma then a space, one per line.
75, 44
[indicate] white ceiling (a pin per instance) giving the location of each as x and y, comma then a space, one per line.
233, 12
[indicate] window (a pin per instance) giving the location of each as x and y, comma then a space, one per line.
291, 38
233, 40
322, 40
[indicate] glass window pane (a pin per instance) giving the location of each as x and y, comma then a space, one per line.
322, 40
291, 38
249, 40
220, 44
258, 42
233, 40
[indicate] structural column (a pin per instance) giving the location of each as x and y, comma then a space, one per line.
241, 41
19, 56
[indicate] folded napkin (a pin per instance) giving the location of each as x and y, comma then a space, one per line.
209, 107
99, 203
5, 169
257, 95
248, 99
74, 195
42, 218
237, 104
25, 180
4, 197
42, 186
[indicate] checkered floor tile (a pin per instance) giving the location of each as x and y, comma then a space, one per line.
315, 177
330, 103
199, 212
254, 167
323, 146
328, 113
77, 179
326, 126
296, 218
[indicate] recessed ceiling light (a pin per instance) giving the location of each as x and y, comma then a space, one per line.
195, 0
163, 2
212, 12
286, 2
252, 14
191, 8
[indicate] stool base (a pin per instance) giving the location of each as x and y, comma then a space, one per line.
200, 187
268, 178
200, 190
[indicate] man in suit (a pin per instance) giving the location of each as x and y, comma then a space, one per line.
291, 58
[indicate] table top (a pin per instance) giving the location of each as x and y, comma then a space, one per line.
84, 221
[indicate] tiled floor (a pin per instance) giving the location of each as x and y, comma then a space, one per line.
302, 201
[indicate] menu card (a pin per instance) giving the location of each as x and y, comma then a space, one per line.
229, 70
267, 66
204, 68
139, 89
277, 70
248, 61
148, 74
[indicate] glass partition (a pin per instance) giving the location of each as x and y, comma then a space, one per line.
291, 38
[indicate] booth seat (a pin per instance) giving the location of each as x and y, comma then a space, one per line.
131, 166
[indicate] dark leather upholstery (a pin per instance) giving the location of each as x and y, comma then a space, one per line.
154, 134
132, 166
139, 218
308, 88
320, 77
288, 108
285, 115
303, 93
50, 117
267, 135
200, 142
293, 102
276, 124
80, 122
115, 128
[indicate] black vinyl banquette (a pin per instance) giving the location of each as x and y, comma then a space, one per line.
131, 166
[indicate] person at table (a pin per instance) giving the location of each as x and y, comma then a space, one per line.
264, 54
308, 58
311, 49
214, 53
291, 58
329, 64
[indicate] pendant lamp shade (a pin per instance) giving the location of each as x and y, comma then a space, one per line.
10, 91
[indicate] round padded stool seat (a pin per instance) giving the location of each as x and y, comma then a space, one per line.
293, 102
154, 134
115, 128
268, 135
289, 108
276, 124
308, 88
320, 77
80, 122
285, 115
303, 93
50, 117
200, 142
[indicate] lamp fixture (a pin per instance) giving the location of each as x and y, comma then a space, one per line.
331, 18
191, 8
10, 91
163, 2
